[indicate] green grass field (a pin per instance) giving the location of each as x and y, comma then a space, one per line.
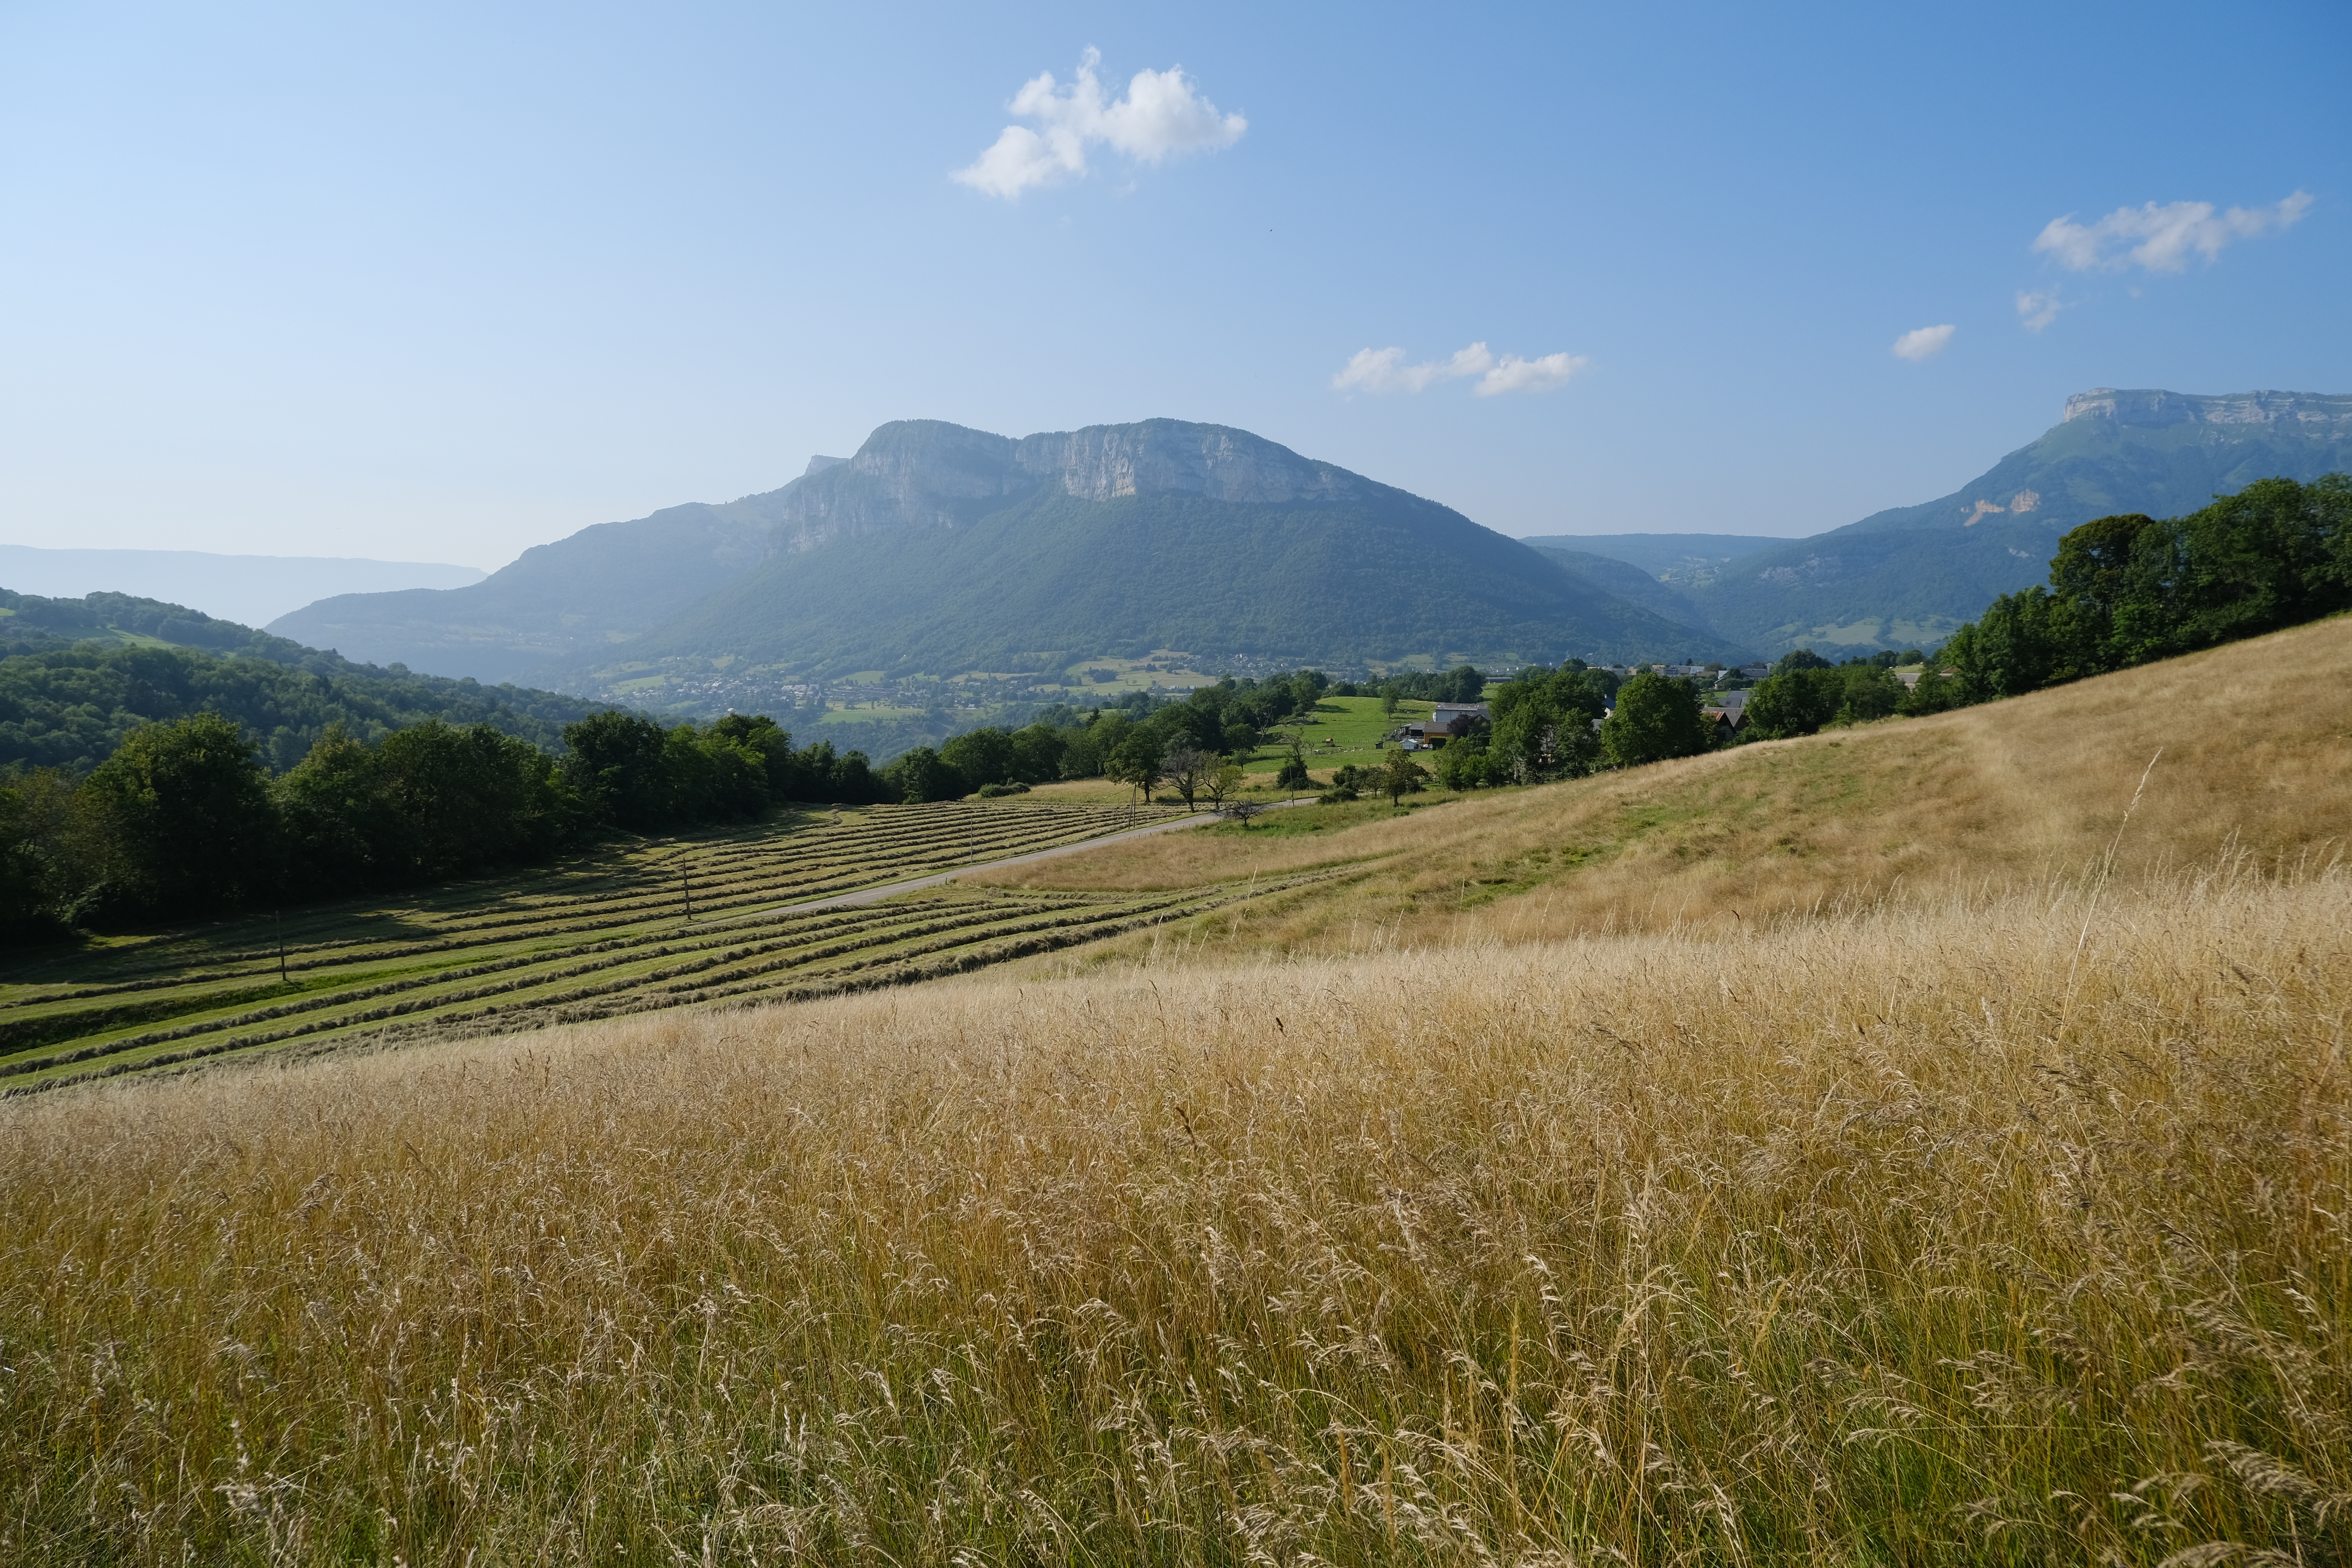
600, 935
1343, 730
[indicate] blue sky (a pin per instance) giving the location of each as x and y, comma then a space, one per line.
441, 282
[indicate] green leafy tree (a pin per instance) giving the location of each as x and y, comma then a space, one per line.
980, 756
1792, 702
1400, 775
1138, 761
29, 866
619, 766
1223, 785
1656, 717
922, 775
343, 824
183, 819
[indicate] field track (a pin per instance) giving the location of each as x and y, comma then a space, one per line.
804, 906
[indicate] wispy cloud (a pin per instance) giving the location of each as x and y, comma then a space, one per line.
1384, 370
1922, 343
2036, 310
2160, 239
1162, 116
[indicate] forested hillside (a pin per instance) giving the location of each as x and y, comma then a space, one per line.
77, 676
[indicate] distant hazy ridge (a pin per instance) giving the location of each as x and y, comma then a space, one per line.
251, 590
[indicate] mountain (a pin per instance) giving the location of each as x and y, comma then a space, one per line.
601, 586
1913, 575
937, 551
1630, 582
1677, 558
249, 589
77, 675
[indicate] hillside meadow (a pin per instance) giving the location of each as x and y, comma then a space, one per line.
2256, 758
1947, 1173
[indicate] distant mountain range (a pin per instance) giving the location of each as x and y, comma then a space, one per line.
251, 590
1912, 575
944, 571
941, 552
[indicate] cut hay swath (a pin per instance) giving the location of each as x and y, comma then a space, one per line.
599, 936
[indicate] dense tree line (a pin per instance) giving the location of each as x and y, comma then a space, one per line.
2130, 589
2123, 591
184, 820
1573, 721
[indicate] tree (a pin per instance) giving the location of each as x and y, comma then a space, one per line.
984, 756
1221, 783
1389, 700
1793, 702
26, 881
618, 765
184, 820
1138, 760
922, 775
1400, 775
1190, 769
1657, 717
1293, 774
1463, 764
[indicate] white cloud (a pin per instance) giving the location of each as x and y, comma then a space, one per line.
2036, 310
1384, 370
1922, 343
1161, 117
2160, 239
1512, 374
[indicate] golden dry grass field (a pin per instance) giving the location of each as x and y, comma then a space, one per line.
1994, 1214
2257, 742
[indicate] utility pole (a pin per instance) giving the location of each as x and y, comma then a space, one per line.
688, 887
279, 918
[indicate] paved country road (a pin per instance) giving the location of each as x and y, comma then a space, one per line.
888, 890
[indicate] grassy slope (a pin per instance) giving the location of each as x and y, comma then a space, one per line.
2257, 743
1907, 1239
1984, 1226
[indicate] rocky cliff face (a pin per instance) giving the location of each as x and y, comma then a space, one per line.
2316, 412
1160, 456
923, 473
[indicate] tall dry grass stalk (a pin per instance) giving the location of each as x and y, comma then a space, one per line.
1862, 1242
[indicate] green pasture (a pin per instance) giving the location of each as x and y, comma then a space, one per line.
1343, 729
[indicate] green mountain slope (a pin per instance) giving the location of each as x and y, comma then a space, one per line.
941, 551
1911, 575
597, 588
77, 675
